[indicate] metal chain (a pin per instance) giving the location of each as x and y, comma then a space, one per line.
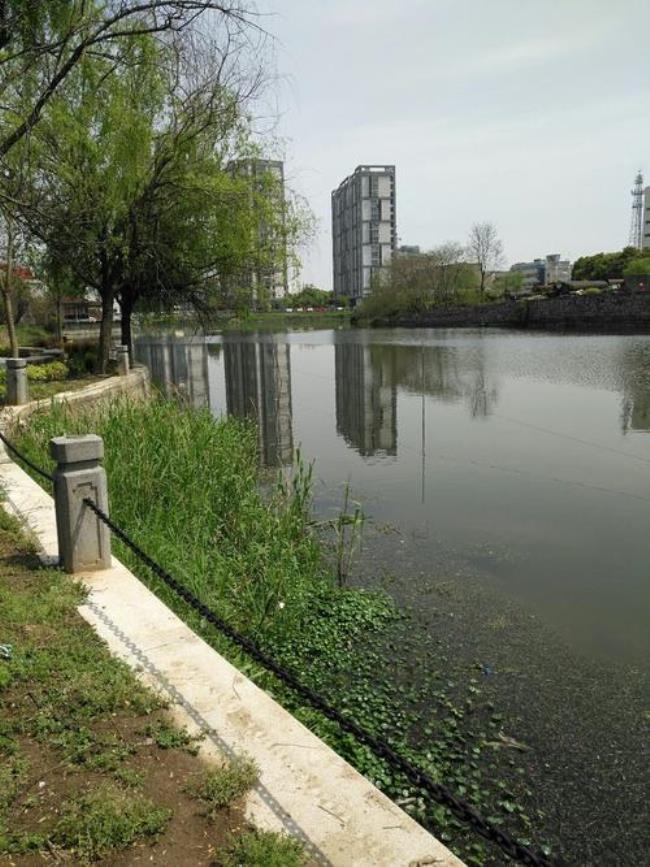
440, 793
25, 459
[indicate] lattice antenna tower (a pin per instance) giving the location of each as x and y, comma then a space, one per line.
636, 224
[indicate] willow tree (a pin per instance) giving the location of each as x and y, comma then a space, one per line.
134, 189
43, 43
90, 157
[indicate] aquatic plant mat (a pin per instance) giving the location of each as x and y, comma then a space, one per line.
91, 767
187, 488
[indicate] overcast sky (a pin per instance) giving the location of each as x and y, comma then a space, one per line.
534, 114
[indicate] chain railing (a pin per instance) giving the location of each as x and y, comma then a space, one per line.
440, 793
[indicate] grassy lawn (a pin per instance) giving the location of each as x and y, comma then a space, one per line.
91, 767
280, 321
28, 335
40, 390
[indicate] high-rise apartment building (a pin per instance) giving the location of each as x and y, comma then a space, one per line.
364, 229
268, 278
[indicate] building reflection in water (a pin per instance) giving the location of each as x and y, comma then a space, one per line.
439, 372
369, 376
366, 402
635, 385
258, 385
178, 365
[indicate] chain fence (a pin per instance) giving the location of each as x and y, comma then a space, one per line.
438, 792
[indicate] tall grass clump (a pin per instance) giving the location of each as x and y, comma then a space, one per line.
186, 487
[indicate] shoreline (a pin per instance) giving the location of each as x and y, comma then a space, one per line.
607, 313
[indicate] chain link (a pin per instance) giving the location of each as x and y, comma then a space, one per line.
440, 793
12, 448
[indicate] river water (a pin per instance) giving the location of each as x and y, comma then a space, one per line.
506, 480
523, 458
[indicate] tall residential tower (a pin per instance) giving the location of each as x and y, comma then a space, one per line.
364, 229
268, 276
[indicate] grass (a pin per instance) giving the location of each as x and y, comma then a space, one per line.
281, 321
263, 849
105, 820
271, 321
189, 490
90, 763
42, 390
28, 335
219, 787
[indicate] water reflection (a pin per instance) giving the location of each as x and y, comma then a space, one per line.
438, 372
366, 400
635, 406
177, 364
543, 486
258, 385
369, 377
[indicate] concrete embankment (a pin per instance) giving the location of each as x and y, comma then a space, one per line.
608, 312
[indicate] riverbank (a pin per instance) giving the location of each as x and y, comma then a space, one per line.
258, 564
609, 312
275, 320
92, 767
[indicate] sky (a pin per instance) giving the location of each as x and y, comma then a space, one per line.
532, 114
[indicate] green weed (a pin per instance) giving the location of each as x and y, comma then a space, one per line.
220, 787
170, 737
106, 819
263, 849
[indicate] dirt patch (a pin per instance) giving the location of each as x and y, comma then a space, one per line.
80, 735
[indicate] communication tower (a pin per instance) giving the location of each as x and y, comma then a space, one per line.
636, 224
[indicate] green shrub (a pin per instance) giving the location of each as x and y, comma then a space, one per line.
82, 357
52, 371
591, 290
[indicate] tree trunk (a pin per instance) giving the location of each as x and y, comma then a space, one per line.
125, 327
105, 332
59, 318
7, 291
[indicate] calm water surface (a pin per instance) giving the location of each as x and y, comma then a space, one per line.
521, 459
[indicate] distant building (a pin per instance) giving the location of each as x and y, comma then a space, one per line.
532, 272
364, 229
542, 272
645, 245
267, 176
556, 270
408, 250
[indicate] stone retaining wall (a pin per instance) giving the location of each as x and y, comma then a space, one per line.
610, 311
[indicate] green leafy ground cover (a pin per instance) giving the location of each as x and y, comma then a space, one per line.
91, 768
188, 489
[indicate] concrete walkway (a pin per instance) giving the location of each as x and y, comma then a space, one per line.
305, 788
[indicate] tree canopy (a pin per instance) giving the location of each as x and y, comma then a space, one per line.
605, 266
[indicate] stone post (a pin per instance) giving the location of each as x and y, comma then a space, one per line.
84, 540
122, 360
16, 381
